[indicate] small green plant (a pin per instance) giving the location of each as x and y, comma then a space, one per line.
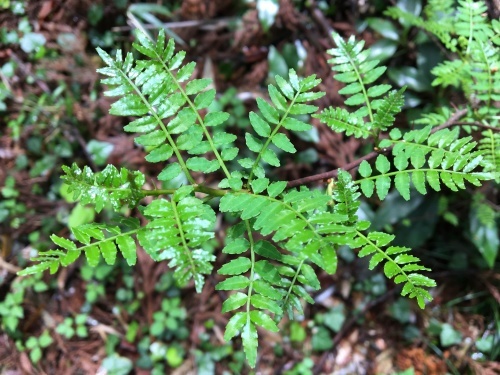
280, 232
11, 310
168, 323
69, 327
35, 346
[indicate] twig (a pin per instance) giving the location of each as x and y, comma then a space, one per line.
9, 267
333, 173
318, 16
478, 124
181, 24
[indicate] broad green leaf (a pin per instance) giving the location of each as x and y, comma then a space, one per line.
127, 246
269, 156
204, 99
108, 250
418, 179
161, 153
197, 85
296, 125
402, 183
277, 98
276, 188
234, 325
259, 185
382, 164
233, 283
261, 127
365, 170
170, 172
234, 302
285, 87
238, 246
92, 255
200, 164
260, 302
264, 288
253, 143
383, 185
268, 112
262, 319
281, 141
63, 242
250, 343
216, 118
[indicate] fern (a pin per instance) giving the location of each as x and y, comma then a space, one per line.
281, 235
110, 186
97, 240
153, 90
489, 146
176, 231
436, 158
289, 100
359, 72
468, 32
400, 265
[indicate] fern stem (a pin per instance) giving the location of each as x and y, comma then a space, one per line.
198, 188
161, 124
252, 269
112, 238
200, 120
183, 238
269, 139
289, 291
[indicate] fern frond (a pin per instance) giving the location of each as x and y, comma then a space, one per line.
437, 118
340, 120
485, 71
450, 160
358, 72
403, 267
399, 265
177, 230
275, 284
107, 240
389, 107
472, 22
195, 98
489, 146
110, 186
441, 24
452, 73
288, 100
154, 90
299, 220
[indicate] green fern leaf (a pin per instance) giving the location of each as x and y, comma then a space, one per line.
177, 231
450, 160
287, 99
110, 186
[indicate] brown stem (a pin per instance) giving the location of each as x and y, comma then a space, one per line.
354, 164
478, 124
